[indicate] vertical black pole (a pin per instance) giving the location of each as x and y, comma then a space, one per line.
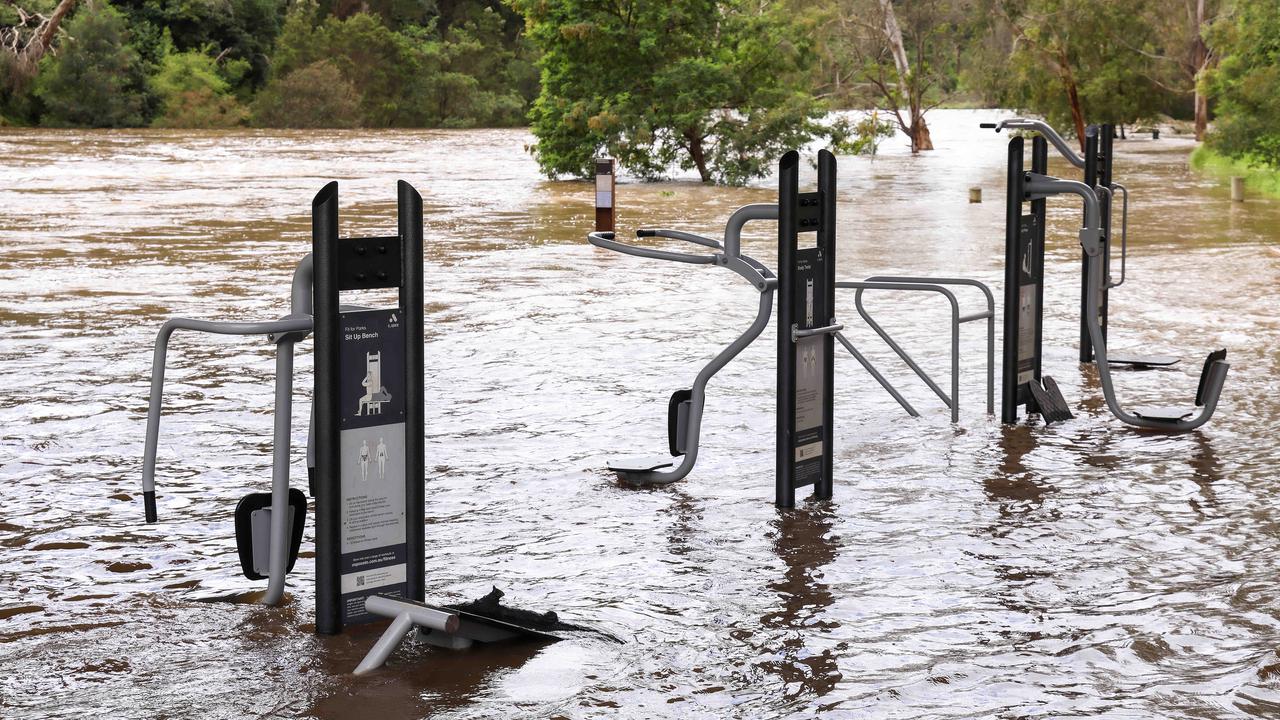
1091, 157
1040, 165
822, 488
1105, 148
788, 178
1012, 258
409, 210
806, 348
324, 243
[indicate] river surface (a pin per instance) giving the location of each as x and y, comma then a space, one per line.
962, 570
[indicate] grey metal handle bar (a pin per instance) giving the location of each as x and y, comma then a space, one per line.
1044, 129
1124, 234
606, 240
680, 235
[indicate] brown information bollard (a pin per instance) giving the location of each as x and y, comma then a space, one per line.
975, 194
604, 193
1237, 188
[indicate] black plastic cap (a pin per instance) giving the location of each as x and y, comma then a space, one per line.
987, 126
149, 504
646, 233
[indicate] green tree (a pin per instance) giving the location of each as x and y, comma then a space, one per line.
96, 79
385, 66
194, 90
900, 56
1246, 83
237, 30
1072, 59
720, 86
313, 96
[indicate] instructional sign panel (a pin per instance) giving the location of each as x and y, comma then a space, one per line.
809, 370
371, 434
1028, 286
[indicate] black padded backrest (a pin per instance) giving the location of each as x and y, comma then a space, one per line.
674, 441
1215, 356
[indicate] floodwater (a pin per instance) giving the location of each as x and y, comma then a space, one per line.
962, 570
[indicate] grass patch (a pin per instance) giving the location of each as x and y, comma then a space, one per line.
1260, 180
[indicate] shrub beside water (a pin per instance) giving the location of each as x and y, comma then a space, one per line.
1258, 178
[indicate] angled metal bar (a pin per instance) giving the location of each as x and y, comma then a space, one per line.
866, 364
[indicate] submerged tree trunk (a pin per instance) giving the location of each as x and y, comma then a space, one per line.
920, 139
698, 154
1073, 96
1202, 115
1200, 60
918, 131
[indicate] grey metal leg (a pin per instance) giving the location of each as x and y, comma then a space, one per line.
406, 615
280, 515
389, 641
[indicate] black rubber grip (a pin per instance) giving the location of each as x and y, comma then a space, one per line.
988, 126
149, 504
646, 233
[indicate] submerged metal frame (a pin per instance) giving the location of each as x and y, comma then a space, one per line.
285, 333
934, 285
1091, 239
729, 256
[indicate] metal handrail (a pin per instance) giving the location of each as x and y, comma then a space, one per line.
910, 283
1124, 234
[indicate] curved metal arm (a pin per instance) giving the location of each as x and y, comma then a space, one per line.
739, 218
698, 397
606, 240
288, 325
680, 235
1091, 233
1044, 129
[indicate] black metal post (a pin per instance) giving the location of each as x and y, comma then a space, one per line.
806, 302
1039, 165
788, 179
409, 210
324, 244
1009, 399
377, 353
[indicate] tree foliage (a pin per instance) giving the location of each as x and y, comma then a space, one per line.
719, 86
97, 78
1073, 61
200, 63
1246, 83
312, 96
195, 90
902, 57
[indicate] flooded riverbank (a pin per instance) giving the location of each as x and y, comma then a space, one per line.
962, 570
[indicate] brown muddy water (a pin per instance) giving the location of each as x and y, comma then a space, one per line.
962, 570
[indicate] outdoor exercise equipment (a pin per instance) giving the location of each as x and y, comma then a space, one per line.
1096, 163
807, 330
1024, 290
365, 449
